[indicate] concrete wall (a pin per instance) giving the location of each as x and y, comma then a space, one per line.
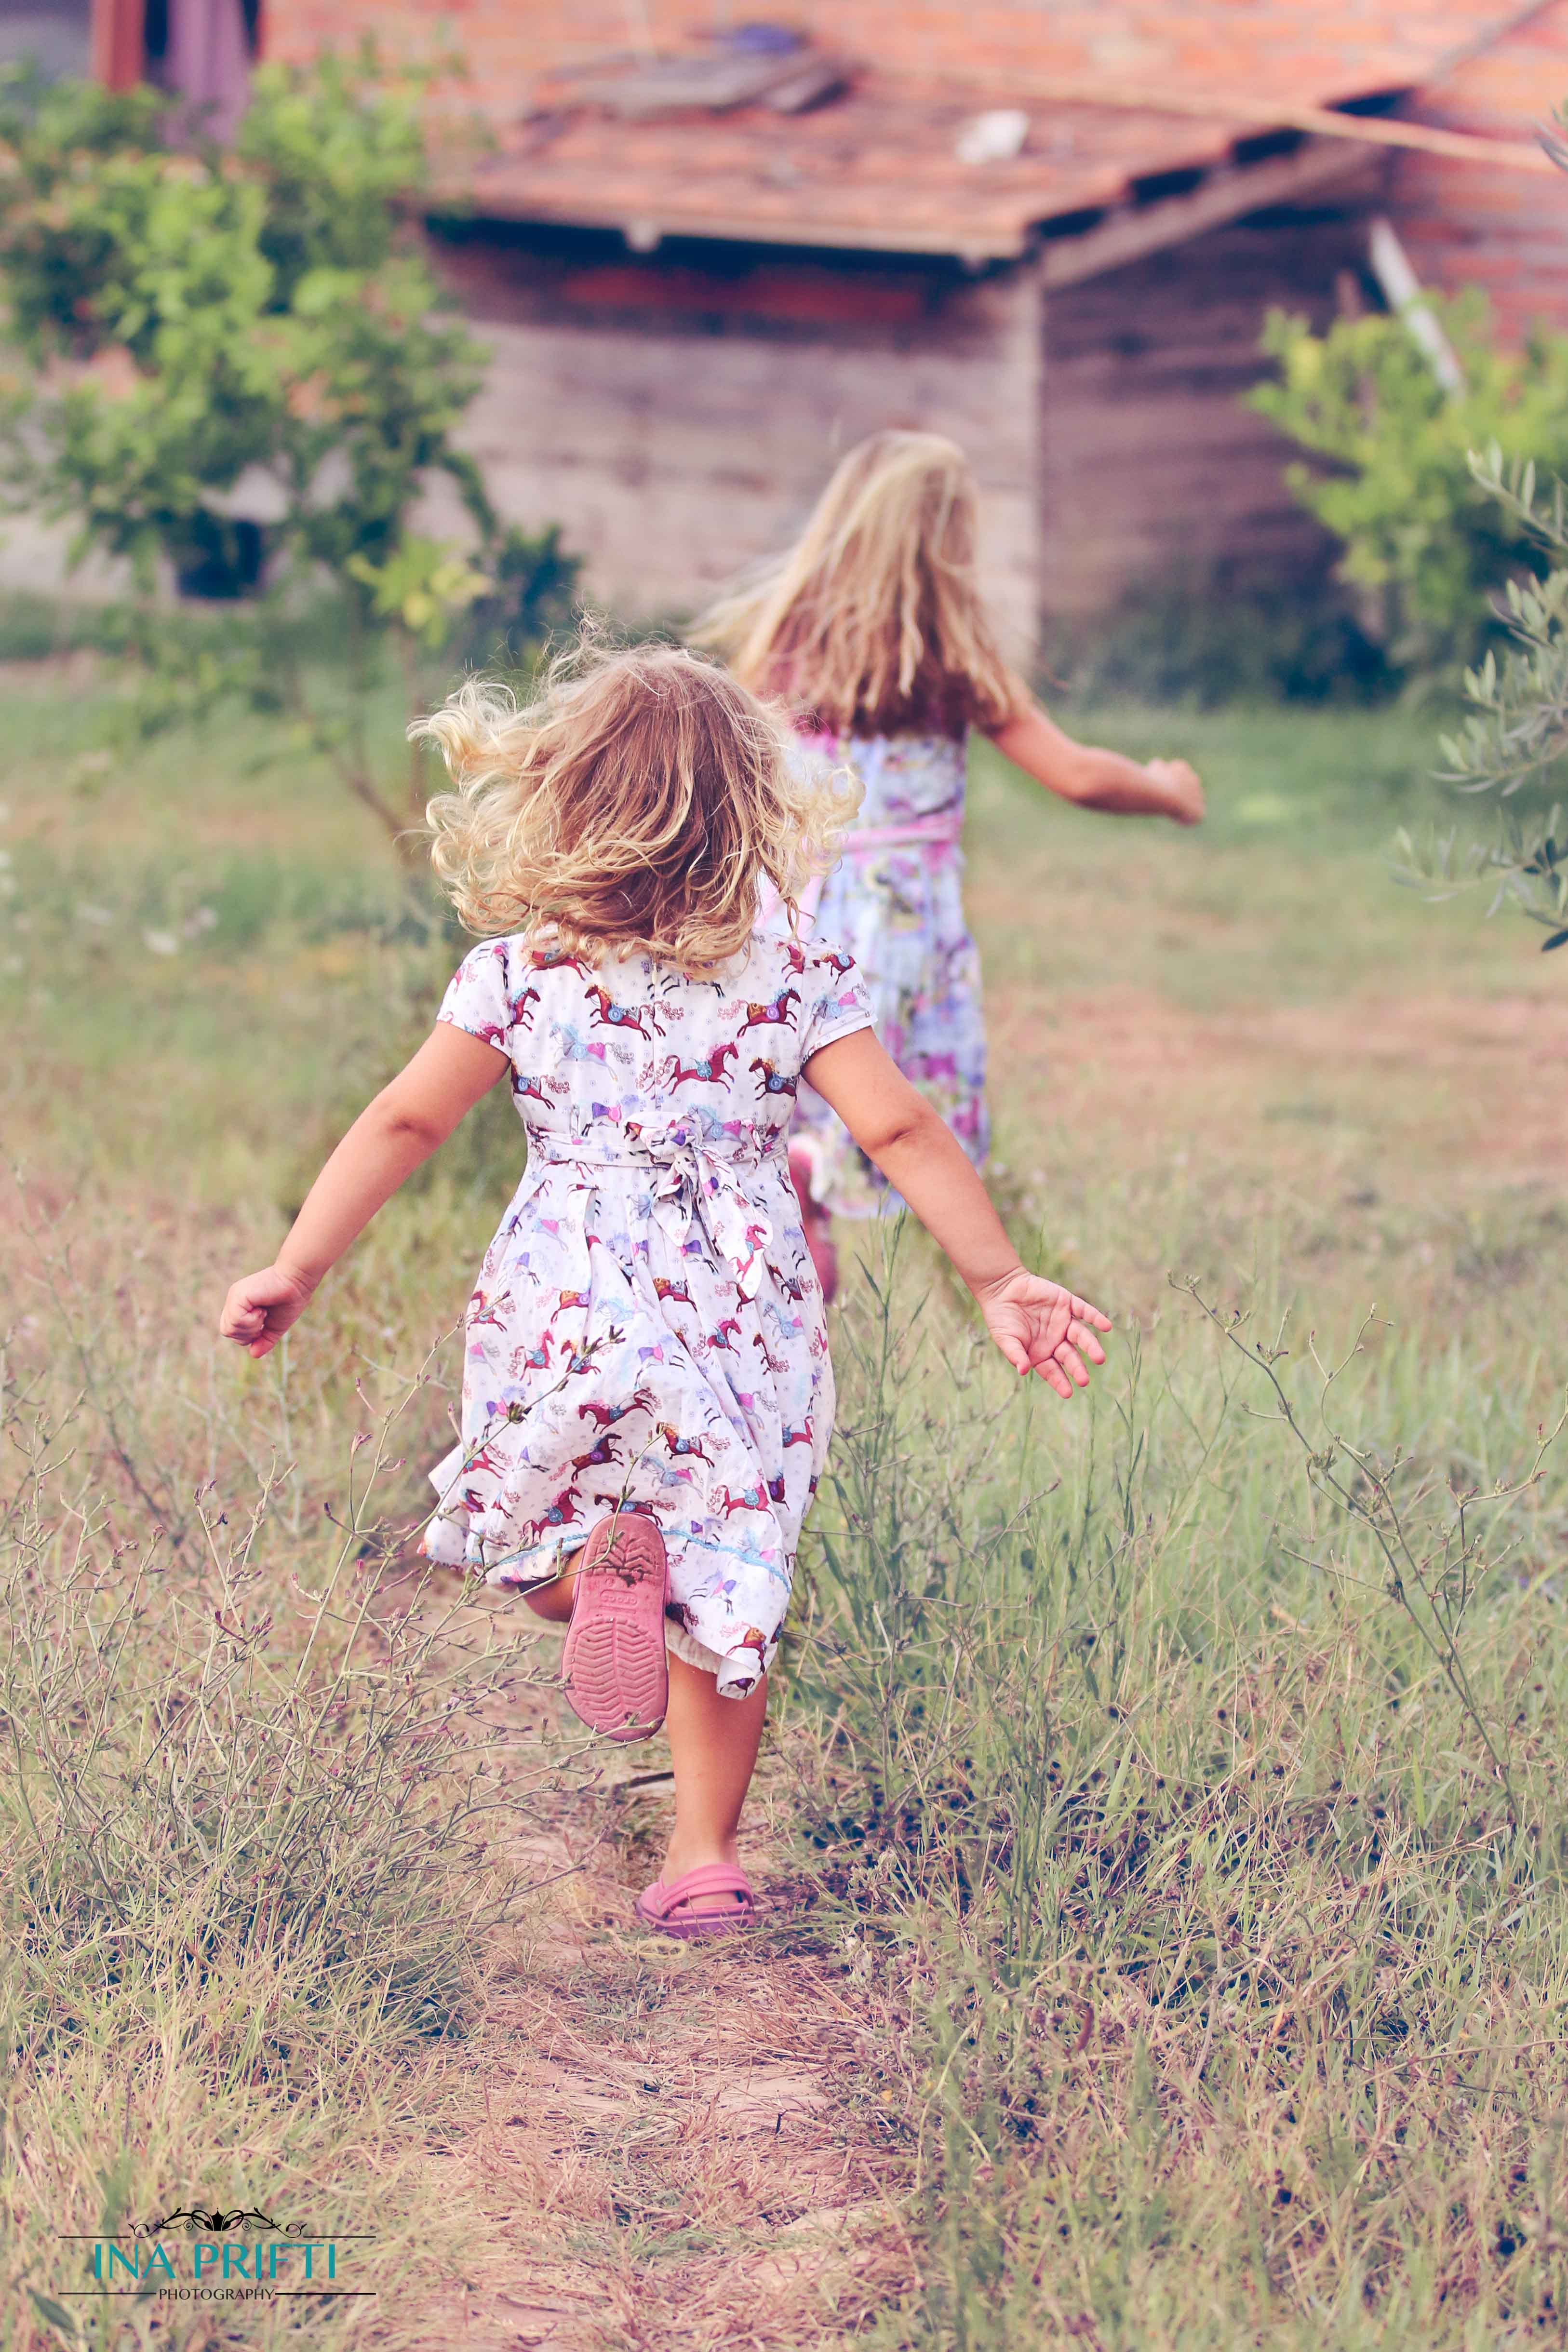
678, 416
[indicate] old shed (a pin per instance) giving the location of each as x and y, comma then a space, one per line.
707, 259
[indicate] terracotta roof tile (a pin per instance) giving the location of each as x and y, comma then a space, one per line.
878, 167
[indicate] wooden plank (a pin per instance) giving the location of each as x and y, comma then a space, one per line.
1323, 122
1227, 195
119, 35
482, 199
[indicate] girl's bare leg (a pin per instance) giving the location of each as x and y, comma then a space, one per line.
553, 1600
713, 1746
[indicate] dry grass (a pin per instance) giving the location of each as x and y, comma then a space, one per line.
1153, 1956
1242, 1972
670, 2146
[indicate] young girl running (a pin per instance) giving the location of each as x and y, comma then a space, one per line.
871, 630
647, 1398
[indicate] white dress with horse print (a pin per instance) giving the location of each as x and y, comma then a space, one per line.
646, 1333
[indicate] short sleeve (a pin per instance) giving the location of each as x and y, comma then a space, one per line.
842, 1004
477, 996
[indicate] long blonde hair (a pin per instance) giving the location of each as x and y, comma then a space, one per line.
873, 623
637, 804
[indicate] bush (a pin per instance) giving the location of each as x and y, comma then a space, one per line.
1211, 642
1423, 541
531, 598
202, 314
1514, 741
199, 320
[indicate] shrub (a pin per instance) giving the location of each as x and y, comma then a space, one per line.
1212, 641
1516, 732
204, 323
1516, 735
1423, 540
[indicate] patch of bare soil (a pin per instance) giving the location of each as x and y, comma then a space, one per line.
659, 2147
1478, 1081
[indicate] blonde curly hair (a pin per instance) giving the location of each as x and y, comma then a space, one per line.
873, 623
639, 804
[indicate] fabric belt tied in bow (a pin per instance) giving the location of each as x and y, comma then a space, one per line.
689, 1179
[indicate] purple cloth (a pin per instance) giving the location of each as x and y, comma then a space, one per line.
208, 63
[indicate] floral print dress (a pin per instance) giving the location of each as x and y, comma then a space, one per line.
646, 1333
895, 900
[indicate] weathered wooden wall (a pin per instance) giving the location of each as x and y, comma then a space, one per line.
678, 414
1153, 472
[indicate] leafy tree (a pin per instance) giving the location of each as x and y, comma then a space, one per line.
1516, 730
202, 322
1424, 541
1515, 737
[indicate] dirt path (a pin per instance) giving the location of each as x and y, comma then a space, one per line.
1478, 1085
659, 2147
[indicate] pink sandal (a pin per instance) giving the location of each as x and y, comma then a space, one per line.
615, 1672
661, 1906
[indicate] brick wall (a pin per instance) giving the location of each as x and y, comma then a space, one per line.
678, 416
1463, 224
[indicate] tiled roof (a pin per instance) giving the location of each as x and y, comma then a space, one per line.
878, 167
1288, 49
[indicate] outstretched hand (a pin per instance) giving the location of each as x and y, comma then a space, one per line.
1182, 786
1041, 1328
259, 1309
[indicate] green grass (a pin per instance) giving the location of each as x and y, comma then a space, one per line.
1165, 1811
1283, 896
1239, 1976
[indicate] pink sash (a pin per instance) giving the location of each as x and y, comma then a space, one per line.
943, 831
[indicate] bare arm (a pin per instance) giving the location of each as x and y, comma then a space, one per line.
406, 1122
1038, 1326
1095, 779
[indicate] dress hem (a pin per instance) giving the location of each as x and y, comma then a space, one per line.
737, 1669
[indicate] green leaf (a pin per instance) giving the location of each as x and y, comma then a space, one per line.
186, 317
56, 2315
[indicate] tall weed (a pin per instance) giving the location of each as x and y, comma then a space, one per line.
1241, 1965
262, 1772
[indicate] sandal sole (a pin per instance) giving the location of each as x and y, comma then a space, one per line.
699, 1925
615, 1671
